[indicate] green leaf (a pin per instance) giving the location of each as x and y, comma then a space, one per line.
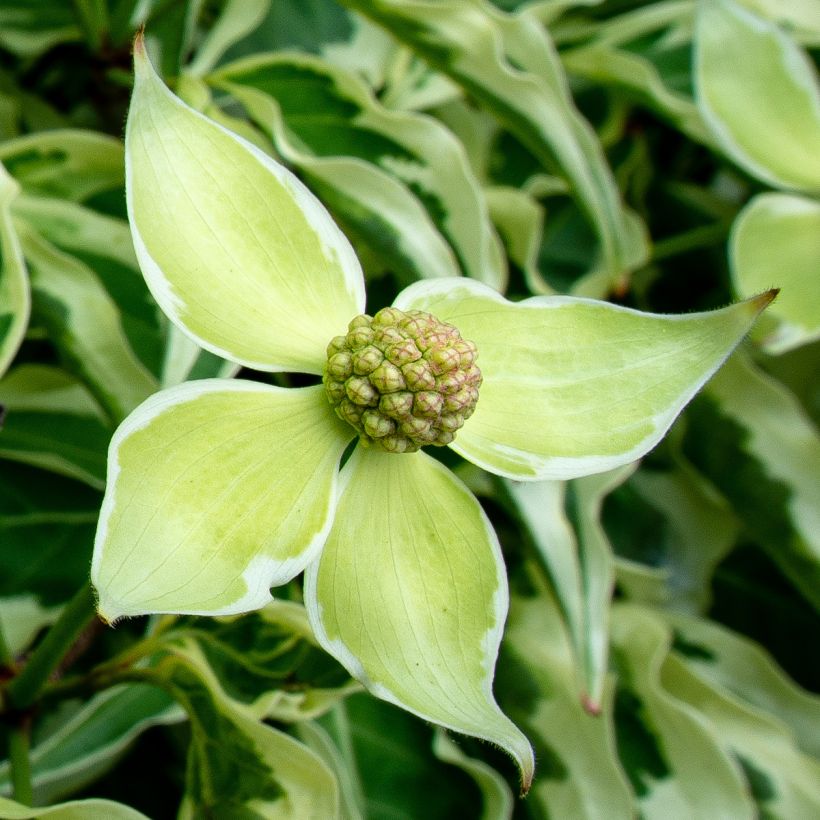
433, 220
691, 775
578, 774
237, 19
783, 781
21, 619
700, 530
758, 93
498, 798
572, 386
46, 531
53, 422
29, 30
86, 325
91, 809
93, 739
749, 436
646, 53
509, 64
776, 240
15, 300
103, 244
733, 663
241, 499
67, 164
392, 772
237, 765
578, 560
270, 661
234, 248
414, 606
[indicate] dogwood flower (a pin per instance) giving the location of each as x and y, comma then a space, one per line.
219, 489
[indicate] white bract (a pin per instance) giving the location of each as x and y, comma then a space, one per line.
220, 489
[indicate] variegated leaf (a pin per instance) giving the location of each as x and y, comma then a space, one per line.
53, 422
15, 299
399, 179
510, 65
776, 241
758, 94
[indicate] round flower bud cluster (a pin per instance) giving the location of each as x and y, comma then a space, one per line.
403, 379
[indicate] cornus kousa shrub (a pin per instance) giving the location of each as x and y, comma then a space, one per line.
219, 490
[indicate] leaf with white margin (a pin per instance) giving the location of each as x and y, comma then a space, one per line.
757, 92
700, 779
509, 64
410, 595
15, 299
53, 422
701, 529
217, 490
21, 619
734, 663
574, 386
519, 218
638, 53
103, 244
65, 163
91, 741
91, 809
763, 455
578, 560
319, 741
498, 798
270, 661
776, 241
801, 18
585, 498
580, 774
86, 325
237, 19
784, 781
234, 248
328, 123
239, 766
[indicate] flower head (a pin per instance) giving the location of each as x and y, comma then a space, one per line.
402, 380
220, 489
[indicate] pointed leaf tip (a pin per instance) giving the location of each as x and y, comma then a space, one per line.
416, 609
140, 57
763, 300
590, 706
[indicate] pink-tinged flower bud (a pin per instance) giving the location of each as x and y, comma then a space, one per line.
402, 379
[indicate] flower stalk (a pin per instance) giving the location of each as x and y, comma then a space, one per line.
25, 688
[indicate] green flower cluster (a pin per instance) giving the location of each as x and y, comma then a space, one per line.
403, 380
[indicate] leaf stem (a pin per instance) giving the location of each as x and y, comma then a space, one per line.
20, 763
6, 660
25, 688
